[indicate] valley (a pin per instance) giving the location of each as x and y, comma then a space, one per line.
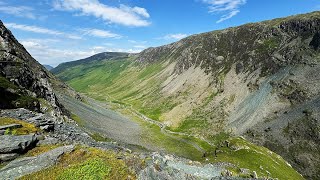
241, 102
204, 87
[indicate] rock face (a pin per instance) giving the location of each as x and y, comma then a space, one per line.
23, 71
169, 167
10, 126
16, 144
27, 165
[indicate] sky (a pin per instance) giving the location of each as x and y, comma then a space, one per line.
56, 31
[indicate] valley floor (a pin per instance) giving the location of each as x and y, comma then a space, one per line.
104, 120
130, 128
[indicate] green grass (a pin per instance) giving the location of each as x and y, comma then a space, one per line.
39, 149
87, 163
98, 137
4, 83
153, 136
256, 158
77, 119
26, 128
92, 169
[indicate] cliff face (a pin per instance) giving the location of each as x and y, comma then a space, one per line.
258, 80
30, 80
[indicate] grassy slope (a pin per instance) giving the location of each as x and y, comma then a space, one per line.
124, 82
87, 163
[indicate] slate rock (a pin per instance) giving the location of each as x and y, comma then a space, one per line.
8, 157
16, 144
10, 126
27, 165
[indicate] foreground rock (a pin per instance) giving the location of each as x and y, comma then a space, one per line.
28, 165
170, 167
8, 157
16, 144
10, 126
43, 121
58, 132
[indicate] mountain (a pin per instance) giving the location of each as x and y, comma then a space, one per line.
24, 82
97, 57
48, 67
258, 80
34, 145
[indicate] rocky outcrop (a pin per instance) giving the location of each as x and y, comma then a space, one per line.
21, 69
58, 132
170, 167
16, 144
10, 126
28, 165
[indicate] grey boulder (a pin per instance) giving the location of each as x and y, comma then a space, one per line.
8, 157
16, 144
27, 165
10, 126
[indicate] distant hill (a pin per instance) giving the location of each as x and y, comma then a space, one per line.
48, 67
98, 57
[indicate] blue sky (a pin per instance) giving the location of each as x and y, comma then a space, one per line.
56, 31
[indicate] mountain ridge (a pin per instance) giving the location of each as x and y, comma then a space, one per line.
96, 57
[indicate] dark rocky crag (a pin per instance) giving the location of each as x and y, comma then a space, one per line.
23, 79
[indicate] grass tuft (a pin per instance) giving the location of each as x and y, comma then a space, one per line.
26, 128
94, 169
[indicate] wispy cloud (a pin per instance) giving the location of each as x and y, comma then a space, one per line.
19, 11
40, 30
140, 46
123, 15
174, 36
229, 8
100, 33
42, 50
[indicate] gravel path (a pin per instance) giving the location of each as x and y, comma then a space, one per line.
98, 119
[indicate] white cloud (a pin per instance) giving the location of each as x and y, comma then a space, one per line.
124, 15
140, 46
136, 42
40, 30
45, 54
19, 11
230, 8
174, 36
100, 33
34, 29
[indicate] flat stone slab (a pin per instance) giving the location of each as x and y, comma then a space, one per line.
27, 165
16, 144
8, 157
10, 126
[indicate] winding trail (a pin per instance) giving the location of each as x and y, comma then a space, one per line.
97, 118
163, 128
